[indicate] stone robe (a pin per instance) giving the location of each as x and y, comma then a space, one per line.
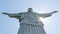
30, 22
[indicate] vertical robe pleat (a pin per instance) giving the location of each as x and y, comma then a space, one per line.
31, 29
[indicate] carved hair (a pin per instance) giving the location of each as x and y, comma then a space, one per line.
30, 10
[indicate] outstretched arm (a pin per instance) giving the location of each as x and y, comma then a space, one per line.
16, 15
48, 14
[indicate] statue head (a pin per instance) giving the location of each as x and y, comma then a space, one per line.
30, 10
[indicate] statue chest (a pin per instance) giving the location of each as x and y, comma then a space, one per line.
30, 17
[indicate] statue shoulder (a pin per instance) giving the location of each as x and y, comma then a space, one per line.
22, 13
35, 13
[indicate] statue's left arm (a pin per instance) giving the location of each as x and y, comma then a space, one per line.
15, 15
48, 14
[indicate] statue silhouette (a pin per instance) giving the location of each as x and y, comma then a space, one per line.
30, 22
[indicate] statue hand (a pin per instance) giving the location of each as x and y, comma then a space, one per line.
54, 12
5, 13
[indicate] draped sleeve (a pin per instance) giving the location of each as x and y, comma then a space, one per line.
45, 15
15, 15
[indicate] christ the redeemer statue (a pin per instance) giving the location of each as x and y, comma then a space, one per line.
30, 22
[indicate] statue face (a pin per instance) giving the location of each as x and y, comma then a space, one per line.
30, 10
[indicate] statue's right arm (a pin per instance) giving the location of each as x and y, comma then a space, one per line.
16, 15
47, 14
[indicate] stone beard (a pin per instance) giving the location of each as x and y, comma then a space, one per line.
30, 22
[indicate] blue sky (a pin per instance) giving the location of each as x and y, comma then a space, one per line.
11, 25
